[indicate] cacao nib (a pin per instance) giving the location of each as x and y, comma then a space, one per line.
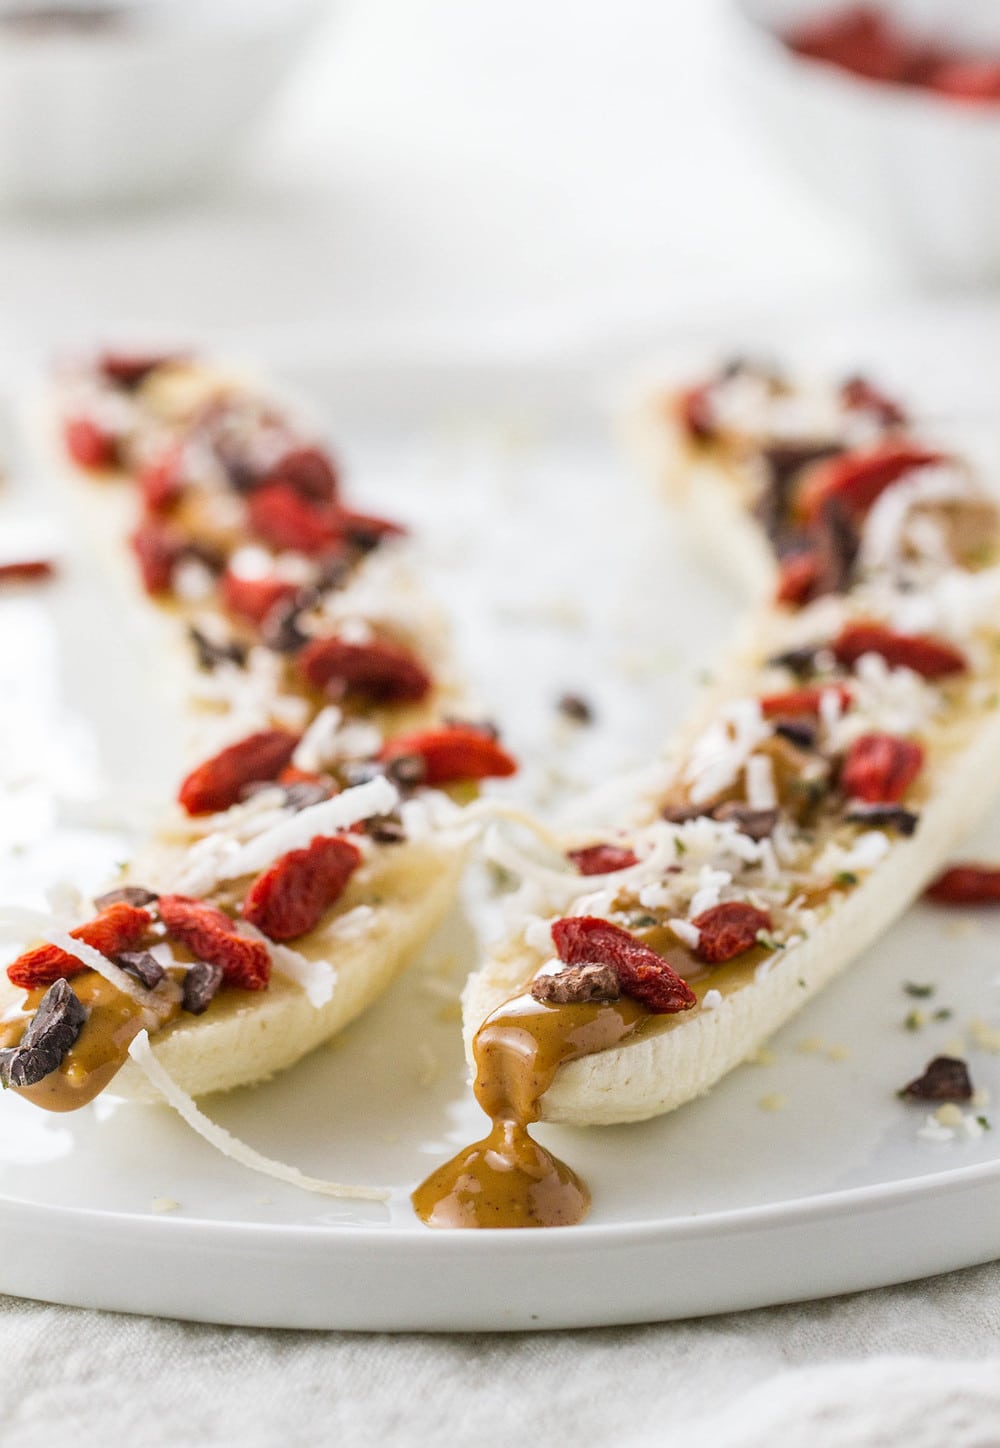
682, 814
211, 654
360, 771
280, 631
50, 1034
883, 816
141, 966
482, 726
800, 661
136, 895
946, 1078
577, 984
407, 770
839, 541
305, 793
575, 707
201, 985
800, 732
757, 824
784, 462
386, 830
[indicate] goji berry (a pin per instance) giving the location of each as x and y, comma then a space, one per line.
218, 782
161, 479
88, 444
292, 895
694, 408
117, 928
642, 974
254, 598
291, 775
798, 575
858, 39
382, 671
451, 753
284, 519
966, 885
307, 471
210, 935
602, 859
128, 369
158, 549
728, 930
879, 768
27, 570
968, 80
857, 479
859, 395
930, 657
802, 701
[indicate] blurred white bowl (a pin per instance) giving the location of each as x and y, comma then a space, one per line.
920, 170
150, 98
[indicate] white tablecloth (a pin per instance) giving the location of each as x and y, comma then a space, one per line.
470, 172
917, 1365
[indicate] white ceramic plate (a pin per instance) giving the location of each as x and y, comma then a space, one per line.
564, 574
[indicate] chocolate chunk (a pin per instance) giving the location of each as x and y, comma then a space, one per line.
211, 654
784, 462
800, 661
364, 537
201, 985
203, 553
280, 630
577, 984
800, 732
884, 816
136, 895
142, 966
50, 1034
839, 541
946, 1078
385, 829
408, 770
576, 707
757, 824
682, 814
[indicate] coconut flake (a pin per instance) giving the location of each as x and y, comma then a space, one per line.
711, 1000
687, 933
316, 977
94, 960
377, 796
760, 787
231, 1146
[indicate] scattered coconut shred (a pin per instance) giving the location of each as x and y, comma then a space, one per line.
141, 1053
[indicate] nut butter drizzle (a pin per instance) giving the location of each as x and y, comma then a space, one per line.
508, 1179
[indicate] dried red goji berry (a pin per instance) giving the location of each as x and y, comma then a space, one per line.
728, 930
88, 444
128, 369
694, 408
219, 782
798, 575
642, 974
857, 479
879, 768
803, 701
254, 598
968, 80
307, 471
857, 394
120, 927
27, 570
602, 859
210, 935
161, 479
284, 519
158, 549
966, 885
858, 38
382, 671
930, 657
453, 752
290, 898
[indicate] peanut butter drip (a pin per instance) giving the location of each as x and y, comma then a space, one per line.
507, 1179
100, 1051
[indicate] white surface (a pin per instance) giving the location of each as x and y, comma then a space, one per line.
916, 167
564, 574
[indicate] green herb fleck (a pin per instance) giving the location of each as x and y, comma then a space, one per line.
767, 940
919, 992
944, 1014
984, 1122
845, 878
680, 847
915, 1021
